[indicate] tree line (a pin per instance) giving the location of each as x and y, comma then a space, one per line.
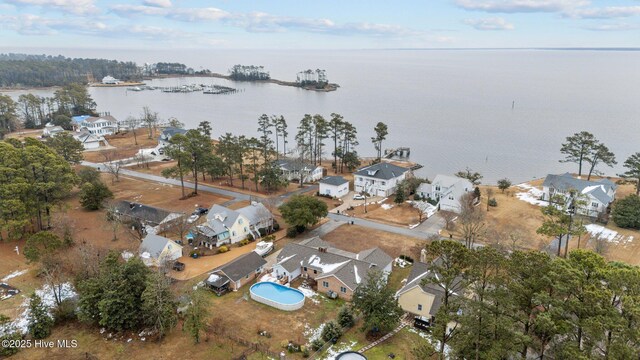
46, 70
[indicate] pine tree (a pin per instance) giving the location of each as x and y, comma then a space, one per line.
40, 321
195, 317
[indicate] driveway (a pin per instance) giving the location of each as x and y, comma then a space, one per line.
347, 201
379, 226
432, 225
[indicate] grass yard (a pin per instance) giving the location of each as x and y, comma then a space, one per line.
356, 238
123, 145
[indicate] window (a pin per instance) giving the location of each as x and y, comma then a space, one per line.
245, 229
450, 197
359, 179
246, 277
594, 204
419, 307
233, 233
384, 183
305, 269
315, 271
240, 221
325, 284
343, 289
437, 187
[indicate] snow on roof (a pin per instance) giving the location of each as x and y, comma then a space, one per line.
315, 261
213, 277
355, 271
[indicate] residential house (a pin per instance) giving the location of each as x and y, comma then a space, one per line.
51, 130
447, 190
88, 140
335, 186
100, 125
226, 226
156, 250
151, 219
236, 274
292, 170
597, 195
110, 80
420, 299
379, 179
334, 271
168, 133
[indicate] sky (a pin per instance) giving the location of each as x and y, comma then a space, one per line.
326, 24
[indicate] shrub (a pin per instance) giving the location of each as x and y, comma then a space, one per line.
65, 312
243, 242
345, 317
317, 344
292, 232
417, 197
276, 226
331, 331
626, 212
6, 350
223, 249
493, 202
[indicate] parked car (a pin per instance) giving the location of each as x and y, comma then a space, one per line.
358, 197
193, 218
201, 211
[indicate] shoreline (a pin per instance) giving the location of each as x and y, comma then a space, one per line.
328, 88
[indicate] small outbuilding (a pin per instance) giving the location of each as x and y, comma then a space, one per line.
335, 186
236, 274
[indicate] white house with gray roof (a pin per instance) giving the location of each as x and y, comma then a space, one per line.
335, 186
598, 195
447, 190
156, 250
293, 169
333, 270
168, 133
100, 125
379, 179
226, 226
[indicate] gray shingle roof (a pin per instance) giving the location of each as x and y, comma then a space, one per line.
243, 266
333, 180
222, 215
419, 272
293, 165
383, 170
154, 244
93, 119
566, 182
255, 213
168, 132
146, 213
348, 267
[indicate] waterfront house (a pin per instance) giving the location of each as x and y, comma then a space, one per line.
100, 125
330, 270
226, 226
156, 250
335, 186
420, 299
596, 195
168, 133
235, 274
446, 190
293, 170
379, 179
110, 80
88, 140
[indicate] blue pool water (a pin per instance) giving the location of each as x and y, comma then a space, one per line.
278, 293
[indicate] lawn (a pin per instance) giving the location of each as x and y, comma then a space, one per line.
356, 238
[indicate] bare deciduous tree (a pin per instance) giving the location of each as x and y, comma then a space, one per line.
112, 164
471, 220
449, 218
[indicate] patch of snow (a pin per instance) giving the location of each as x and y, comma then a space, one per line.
21, 323
287, 258
355, 272
532, 195
311, 333
413, 226
126, 255
213, 277
13, 275
315, 261
268, 277
387, 206
611, 236
310, 294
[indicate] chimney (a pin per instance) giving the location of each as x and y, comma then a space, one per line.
322, 249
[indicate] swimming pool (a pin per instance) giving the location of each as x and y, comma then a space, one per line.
278, 296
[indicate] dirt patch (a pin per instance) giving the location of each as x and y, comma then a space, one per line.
356, 238
124, 144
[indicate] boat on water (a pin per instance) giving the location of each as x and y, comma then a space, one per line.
137, 88
263, 248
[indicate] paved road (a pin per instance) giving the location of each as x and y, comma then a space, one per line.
380, 226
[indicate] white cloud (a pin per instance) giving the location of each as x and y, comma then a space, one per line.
521, 6
79, 7
613, 27
158, 3
494, 23
605, 12
198, 14
133, 10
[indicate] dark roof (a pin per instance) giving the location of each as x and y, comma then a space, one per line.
383, 170
146, 213
242, 266
333, 180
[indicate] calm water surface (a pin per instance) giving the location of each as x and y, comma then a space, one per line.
453, 108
